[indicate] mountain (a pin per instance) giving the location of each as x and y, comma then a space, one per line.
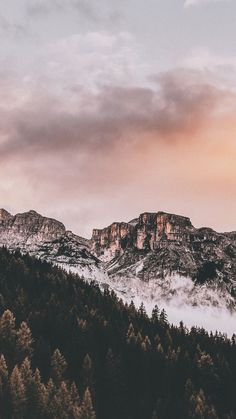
157, 256
158, 244
49, 240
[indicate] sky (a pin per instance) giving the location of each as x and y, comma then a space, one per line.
109, 109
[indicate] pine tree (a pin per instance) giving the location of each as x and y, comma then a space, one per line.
26, 372
142, 311
38, 396
3, 386
155, 314
24, 342
189, 389
163, 317
199, 409
131, 335
8, 336
87, 411
58, 366
76, 412
62, 405
50, 391
3, 372
74, 394
160, 349
146, 344
18, 396
87, 375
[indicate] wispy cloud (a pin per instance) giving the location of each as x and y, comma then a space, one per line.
189, 3
84, 8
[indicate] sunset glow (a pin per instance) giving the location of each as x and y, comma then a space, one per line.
102, 111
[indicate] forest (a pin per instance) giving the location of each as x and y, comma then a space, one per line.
70, 350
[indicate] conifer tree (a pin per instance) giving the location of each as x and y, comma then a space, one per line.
142, 310
87, 374
189, 389
146, 344
155, 314
58, 366
131, 338
3, 371
24, 342
87, 411
62, 405
50, 392
160, 349
76, 412
74, 394
26, 372
38, 396
8, 335
199, 409
3, 386
163, 317
18, 396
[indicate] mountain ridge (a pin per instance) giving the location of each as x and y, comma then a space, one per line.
152, 248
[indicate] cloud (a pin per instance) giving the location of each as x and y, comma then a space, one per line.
82, 130
120, 147
205, 306
11, 29
83, 8
103, 120
189, 3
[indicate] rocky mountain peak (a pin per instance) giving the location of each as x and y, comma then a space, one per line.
28, 228
4, 214
142, 233
47, 239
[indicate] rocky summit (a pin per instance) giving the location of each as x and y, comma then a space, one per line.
49, 240
158, 244
152, 247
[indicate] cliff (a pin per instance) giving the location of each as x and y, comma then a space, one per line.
144, 233
47, 239
159, 244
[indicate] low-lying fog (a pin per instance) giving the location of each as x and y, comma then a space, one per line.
202, 306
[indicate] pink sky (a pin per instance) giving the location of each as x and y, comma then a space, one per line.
116, 117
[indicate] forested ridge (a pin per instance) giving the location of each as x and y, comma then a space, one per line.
69, 350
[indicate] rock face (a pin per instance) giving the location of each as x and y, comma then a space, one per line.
160, 244
152, 247
4, 214
47, 239
29, 228
144, 233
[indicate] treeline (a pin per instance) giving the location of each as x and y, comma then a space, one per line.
69, 350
